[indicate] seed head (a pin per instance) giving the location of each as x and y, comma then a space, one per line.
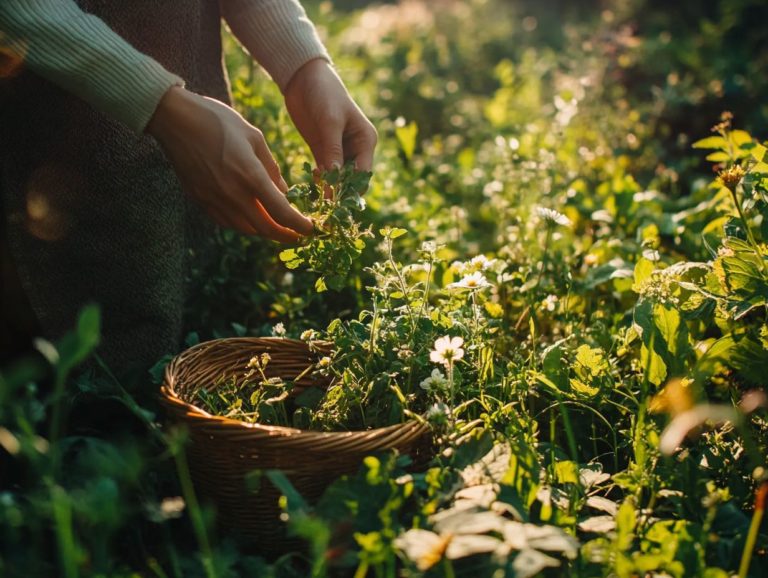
731, 177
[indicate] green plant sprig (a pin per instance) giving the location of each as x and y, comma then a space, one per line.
333, 200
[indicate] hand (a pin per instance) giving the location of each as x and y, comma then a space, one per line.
224, 163
328, 119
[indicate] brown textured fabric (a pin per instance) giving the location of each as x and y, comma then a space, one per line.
93, 212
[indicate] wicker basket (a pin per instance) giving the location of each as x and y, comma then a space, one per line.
223, 451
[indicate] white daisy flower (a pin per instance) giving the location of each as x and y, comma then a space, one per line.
472, 282
436, 381
447, 350
553, 216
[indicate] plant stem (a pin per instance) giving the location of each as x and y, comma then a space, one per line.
195, 513
747, 228
427, 287
449, 571
362, 569
749, 546
403, 286
449, 370
62, 515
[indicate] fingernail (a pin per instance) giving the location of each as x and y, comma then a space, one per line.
283, 185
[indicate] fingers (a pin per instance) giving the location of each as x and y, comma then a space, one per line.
360, 144
266, 228
331, 150
261, 149
278, 207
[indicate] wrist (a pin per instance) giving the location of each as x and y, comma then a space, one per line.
310, 68
175, 104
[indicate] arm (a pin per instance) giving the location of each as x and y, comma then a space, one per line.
277, 33
279, 36
80, 53
222, 161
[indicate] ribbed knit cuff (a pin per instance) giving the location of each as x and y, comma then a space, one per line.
277, 33
80, 53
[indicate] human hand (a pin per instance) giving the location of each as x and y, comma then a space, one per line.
328, 119
224, 163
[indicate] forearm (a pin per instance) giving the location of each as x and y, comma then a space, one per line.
277, 33
80, 53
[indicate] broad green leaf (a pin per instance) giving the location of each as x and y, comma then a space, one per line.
567, 472
738, 351
643, 270
711, 142
759, 154
665, 340
740, 137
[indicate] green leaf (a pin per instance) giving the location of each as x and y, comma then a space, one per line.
665, 340
75, 347
739, 351
567, 472
711, 142
643, 270
740, 137
718, 157
406, 137
392, 232
759, 154
291, 258
295, 503
625, 524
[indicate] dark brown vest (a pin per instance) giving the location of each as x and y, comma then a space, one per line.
92, 212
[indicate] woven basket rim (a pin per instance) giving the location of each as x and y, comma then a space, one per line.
199, 417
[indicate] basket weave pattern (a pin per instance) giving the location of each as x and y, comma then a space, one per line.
223, 451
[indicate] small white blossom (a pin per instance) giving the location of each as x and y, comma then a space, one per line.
279, 330
438, 413
172, 507
550, 302
552, 216
308, 335
324, 362
472, 282
447, 350
481, 263
404, 353
436, 381
460, 267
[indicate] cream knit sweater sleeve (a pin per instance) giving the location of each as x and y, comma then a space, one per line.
277, 33
80, 53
